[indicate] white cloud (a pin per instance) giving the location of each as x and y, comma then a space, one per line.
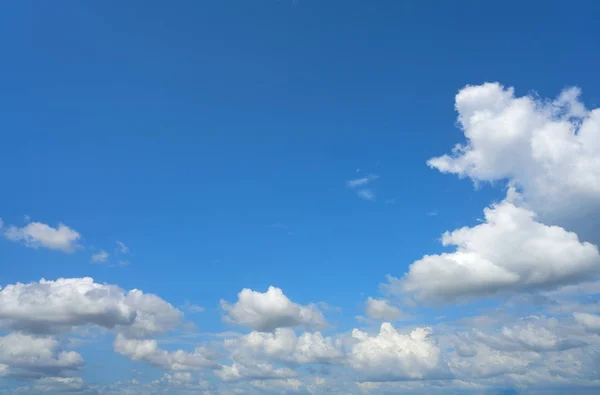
30, 356
366, 194
283, 345
361, 182
270, 310
100, 257
122, 248
548, 149
255, 371
590, 321
281, 386
380, 309
36, 234
510, 251
392, 356
54, 306
147, 350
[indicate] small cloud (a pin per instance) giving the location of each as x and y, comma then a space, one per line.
359, 182
366, 194
432, 213
193, 308
100, 257
390, 201
123, 263
122, 248
1, 223
36, 235
27, 218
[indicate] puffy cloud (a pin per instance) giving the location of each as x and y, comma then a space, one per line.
147, 350
100, 257
37, 234
29, 356
510, 251
284, 345
553, 146
590, 321
270, 310
392, 356
380, 309
54, 306
255, 371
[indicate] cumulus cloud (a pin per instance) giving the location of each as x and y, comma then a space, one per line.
510, 251
380, 309
37, 234
147, 350
255, 371
55, 306
30, 356
285, 346
270, 310
100, 257
553, 146
392, 356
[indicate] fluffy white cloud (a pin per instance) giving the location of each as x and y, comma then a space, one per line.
255, 371
380, 309
100, 257
270, 310
392, 356
37, 234
147, 350
30, 356
590, 321
548, 149
509, 251
284, 345
54, 306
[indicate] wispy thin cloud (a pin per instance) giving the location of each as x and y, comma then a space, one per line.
100, 257
122, 248
359, 182
366, 194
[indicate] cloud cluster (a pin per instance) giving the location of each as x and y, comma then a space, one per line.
49, 307
391, 356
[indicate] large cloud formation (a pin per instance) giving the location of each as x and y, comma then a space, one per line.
56, 306
510, 251
548, 149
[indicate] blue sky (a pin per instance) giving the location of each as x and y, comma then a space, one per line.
218, 142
